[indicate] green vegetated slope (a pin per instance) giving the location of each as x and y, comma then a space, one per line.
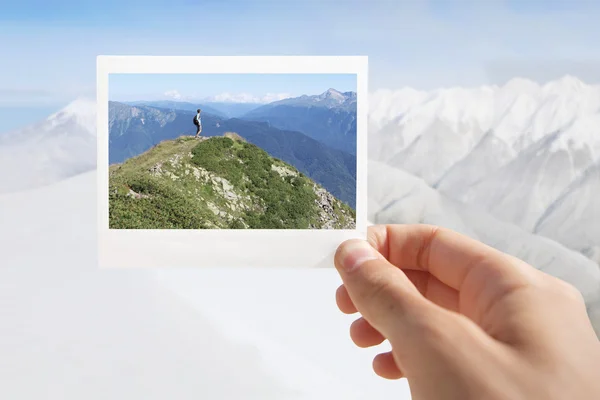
218, 183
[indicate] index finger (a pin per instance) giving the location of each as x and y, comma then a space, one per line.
449, 256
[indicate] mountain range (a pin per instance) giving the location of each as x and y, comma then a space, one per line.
526, 154
523, 145
177, 105
523, 152
329, 117
55, 148
219, 109
135, 129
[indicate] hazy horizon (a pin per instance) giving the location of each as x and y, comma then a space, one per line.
224, 88
219, 101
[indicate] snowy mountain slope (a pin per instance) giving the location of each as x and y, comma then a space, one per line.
62, 145
522, 190
520, 113
508, 150
385, 105
395, 196
432, 153
489, 155
578, 139
80, 332
574, 218
408, 199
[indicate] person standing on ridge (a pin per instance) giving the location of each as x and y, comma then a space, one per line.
198, 123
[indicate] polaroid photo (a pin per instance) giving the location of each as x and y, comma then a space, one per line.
230, 161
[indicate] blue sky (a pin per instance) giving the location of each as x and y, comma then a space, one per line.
246, 87
49, 49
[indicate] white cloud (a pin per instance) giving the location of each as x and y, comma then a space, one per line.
173, 94
227, 97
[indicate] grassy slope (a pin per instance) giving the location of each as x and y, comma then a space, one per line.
189, 194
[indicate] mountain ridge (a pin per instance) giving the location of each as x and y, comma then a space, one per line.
329, 117
177, 105
47, 151
218, 182
510, 150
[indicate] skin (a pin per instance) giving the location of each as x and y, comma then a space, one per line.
464, 320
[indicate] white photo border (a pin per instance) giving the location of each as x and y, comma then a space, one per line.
289, 248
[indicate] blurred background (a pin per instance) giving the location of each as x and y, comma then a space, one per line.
483, 117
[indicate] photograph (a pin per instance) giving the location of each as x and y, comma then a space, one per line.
204, 154
300, 200
186, 154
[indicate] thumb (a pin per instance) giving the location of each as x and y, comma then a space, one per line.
390, 302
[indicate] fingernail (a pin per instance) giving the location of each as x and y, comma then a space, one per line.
354, 253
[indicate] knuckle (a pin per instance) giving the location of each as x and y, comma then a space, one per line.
573, 293
568, 291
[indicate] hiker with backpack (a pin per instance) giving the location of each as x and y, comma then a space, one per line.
198, 123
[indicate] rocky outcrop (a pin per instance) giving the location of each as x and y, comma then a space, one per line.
328, 217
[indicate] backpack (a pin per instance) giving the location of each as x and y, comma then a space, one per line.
196, 120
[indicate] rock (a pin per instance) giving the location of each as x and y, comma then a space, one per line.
156, 169
327, 216
234, 136
283, 171
224, 188
212, 208
201, 174
135, 195
176, 160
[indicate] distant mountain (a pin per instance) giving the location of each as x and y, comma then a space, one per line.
232, 110
179, 105
328, 99
521, 190
219, 109
519, 151
218, 183
329, 117
55, 148
574, 218
134, 130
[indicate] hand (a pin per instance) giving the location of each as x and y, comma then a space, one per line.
464, 320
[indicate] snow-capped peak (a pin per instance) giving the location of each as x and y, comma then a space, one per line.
566, 84
521, 85
333, 95
58, 147
81, 111
520, 112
